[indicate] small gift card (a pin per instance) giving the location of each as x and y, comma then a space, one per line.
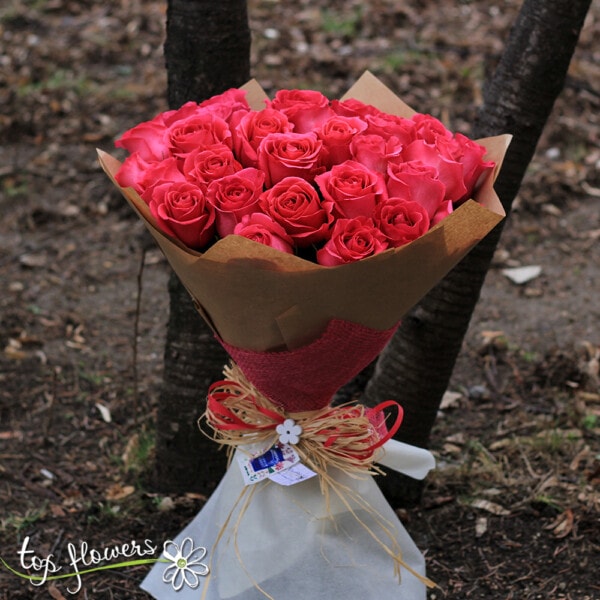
295, 474
275, 460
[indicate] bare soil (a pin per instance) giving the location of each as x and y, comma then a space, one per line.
512, 511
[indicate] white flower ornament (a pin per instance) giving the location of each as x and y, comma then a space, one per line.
186, 565
289, 432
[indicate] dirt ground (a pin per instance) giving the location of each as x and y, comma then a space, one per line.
512, 511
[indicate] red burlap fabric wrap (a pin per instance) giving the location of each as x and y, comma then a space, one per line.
308, 377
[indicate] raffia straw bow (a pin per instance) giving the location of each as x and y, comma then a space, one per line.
347, 437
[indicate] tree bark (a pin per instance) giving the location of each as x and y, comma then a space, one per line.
207, 51
417, 365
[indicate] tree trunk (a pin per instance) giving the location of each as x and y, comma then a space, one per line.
416, 366
207, 51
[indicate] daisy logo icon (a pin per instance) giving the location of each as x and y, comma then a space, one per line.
186, 567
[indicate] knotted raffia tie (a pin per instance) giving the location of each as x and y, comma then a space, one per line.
346, 437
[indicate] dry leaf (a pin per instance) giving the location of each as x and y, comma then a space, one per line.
33, 260
450, 400
104, 412
481, 525
562, 526
131, 449
57, 511
118, 492
166, 504
520, 275
490, 507
55, 593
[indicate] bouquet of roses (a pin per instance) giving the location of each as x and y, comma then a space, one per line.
304, 229
333, 181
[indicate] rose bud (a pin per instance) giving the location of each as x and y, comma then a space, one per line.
352, 240
295, 205
352, 188
262, 229
181, 210
235, 196
416, 182
251, 128
290, 155
402, 221
202, 166
306, 109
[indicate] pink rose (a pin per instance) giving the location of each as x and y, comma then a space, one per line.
251, 128
442, 212
132, 171
149, 139
430, 129
354, 108
235, 196
296, 206
200, 130
449, 171
353, 189
352, 240
374, 151
290, 155
388, 126
165, 171
337, 133
416, 182
262, 229
402, 221
470, 154
185, 111
205, 165
228, 103
181, 210
306, 109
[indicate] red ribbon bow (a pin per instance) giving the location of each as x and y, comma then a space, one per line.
353, 432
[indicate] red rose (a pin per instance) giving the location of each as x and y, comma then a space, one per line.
296, 206
131, 172
374, 151
228, 103
251, 128
337, 133
442, 212
262, 229
352, 240
182, 211
200, 130
470, 154
205, 165
290, 155
388, 126
353, 189
306, 109
189, 109
430, 129
235, 196
354, 108
148, 139
416, 182
401, 220
158, 173
438, 156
